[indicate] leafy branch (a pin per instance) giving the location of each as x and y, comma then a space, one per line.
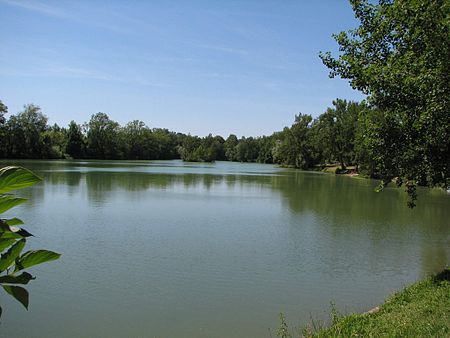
13, 238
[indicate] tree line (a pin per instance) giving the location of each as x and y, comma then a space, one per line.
398, 57
337, 135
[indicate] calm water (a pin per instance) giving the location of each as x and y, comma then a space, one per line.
170, 249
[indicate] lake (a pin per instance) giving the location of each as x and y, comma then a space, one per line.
173, 249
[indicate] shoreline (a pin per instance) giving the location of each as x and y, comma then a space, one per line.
421, 309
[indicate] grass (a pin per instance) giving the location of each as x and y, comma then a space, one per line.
420, 310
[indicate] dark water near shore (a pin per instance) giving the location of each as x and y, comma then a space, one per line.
173, 249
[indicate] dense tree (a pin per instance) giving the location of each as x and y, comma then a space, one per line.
167, 143
218, 147
399, 57
293, 146
25, 133
230, 147
207, 149
336, 130
189, 149
266, 145
344, 133
54, 142
3, 111
137, 141
3, 134
102, 137
76, 143
247, 149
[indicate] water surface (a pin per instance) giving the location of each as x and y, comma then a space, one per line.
173, 249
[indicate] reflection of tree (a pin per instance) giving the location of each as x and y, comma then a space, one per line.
71, 179
434, 256
365, 227
346, 210
354, 199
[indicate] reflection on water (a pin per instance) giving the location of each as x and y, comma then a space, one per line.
185, 249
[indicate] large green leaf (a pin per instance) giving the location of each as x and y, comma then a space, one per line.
20, 233
35, 257
8, 231
18, 293
13, 178
23, 278
6, 243
13, 221
7, 202
9, 256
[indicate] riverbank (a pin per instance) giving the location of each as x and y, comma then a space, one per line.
336, 169
420, 310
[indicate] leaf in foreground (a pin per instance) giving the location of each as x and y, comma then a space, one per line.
6, 243
9, 256
18, 293
8, 202
35, 257
23, 278
13, 178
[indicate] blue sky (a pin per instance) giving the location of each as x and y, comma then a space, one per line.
243, 67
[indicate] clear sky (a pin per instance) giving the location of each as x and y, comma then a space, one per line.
243, 67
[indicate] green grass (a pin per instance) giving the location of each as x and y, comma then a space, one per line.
420, 310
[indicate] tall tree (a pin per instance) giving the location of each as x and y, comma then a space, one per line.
294, 145
3, 111
230, 147
25, 132
76, 144
102, 137
3, 134
337, 130
54, 142
400, 57
138, 141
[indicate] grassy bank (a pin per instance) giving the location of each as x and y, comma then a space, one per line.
420, 310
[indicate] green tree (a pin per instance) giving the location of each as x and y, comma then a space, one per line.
24, 133
102, 137
54, 142
336, 130
230, 147
189, 148
266, 144
3, 111
293, 146
76, 143
138, 141
247, 150
399, 57
3, 132
166, 144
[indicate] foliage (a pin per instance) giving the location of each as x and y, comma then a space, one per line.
13, 238
230, 147
76, 143
102, 137
293, 146
305, 144
399, 57
207, 149
3, 134
336, 129
283, 329
25, 133
3, 111
137, 141
348, 133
